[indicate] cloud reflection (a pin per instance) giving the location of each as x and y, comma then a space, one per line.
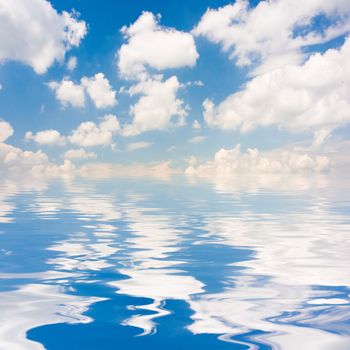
295, 255
34, 305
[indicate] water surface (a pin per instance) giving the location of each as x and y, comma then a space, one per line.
177, 264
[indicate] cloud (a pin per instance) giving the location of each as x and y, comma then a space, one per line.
34, 33
97, 87
13, 158
160, 170
158, 108
273, 33
6, 130
72, 63
46, 137
68, 93
99, 90
308, 97
151, 45
196, 125
229, 162
79, 154
89, 134
197, 139
138, 145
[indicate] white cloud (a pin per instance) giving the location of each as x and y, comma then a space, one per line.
229, 162
197, 139
308, 97
32, 32
46, 137
89, 134
79, 154
157, 107
151, 45
159, 170
72, 63
138, 145
68, 93
6, 130
196, 125
273, 33
13, 158
97, 87
99, 90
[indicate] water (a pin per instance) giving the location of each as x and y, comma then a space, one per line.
174, 264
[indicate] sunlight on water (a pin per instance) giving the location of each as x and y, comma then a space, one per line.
175, 264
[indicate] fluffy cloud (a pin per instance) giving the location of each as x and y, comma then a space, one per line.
79, 154
99, 90
6, 130
68, 93
14, 160
138, 145
32, 32
273, 33
157, 107
89, 134
46, 137
229, 162
151, 45
314, 96
97, 87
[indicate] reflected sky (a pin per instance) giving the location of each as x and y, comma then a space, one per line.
176, 264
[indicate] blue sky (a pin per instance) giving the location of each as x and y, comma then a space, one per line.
248, 72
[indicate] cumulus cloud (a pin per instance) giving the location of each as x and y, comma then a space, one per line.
68, 93
307, 97
46, 137
99, 90
90, 134
80, 153
6, 130
151, 45
158, 108
34, 33
97, 87
138, 145
229, 162
273, 33
14, 160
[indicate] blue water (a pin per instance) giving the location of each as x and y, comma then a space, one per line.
174, 264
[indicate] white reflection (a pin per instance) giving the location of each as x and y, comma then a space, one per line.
155, 238
158, 285
9, 188
94, 208
82, 251
34, 305
293, 253
46, 207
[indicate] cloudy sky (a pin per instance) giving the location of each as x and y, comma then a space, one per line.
199, 85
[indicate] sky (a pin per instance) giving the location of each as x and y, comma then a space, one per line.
207, 87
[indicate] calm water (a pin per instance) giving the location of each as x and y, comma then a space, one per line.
151, 264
